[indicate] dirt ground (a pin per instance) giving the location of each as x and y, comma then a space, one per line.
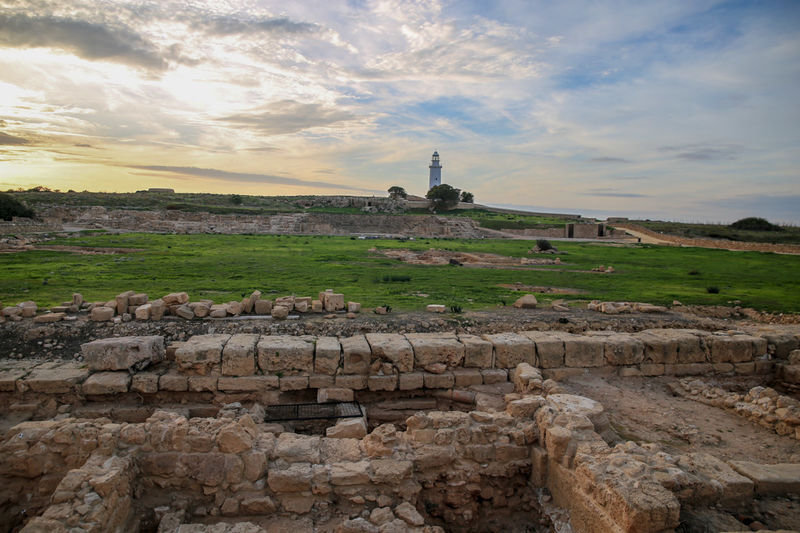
645, 410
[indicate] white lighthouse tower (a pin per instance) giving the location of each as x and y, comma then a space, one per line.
436, 172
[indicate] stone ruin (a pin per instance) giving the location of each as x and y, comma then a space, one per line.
456, 432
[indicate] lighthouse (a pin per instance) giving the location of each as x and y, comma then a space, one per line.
436, 172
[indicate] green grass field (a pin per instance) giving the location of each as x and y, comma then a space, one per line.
224, 267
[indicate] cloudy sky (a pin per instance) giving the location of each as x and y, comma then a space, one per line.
687, 110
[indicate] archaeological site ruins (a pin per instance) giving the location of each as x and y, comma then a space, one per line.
175, 416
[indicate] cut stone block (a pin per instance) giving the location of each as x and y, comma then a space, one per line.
248, 383
333, 302
774, 479
287, 354
492, 376
730, 348
352, 381
729, 486
201, 354
327, 354
549, 348
143, 312
477, 351
289, 383
239, 355
175, 298
172, 381
466, 377
511, 349
107, 383
382, 383
9, 378
55, 378
347, 428
439, 381
430, 348
334, 395
621, 349
101, 314
356, 355
123, 353
582, 351
262, 307
144, 382
394, 348
411, 381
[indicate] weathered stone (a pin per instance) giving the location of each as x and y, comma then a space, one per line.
218, 311
9, 378
394, 348
493, 376
774, 479
157, 309
729, 487
527, 378
239, 355
295, 448
439, 381
411, 381
621, 349
353, 307
123, 353
248, 383
477, 351
258, 506
172, 381
320, 381
345, 474
334, 395
122, 302
280, 312
202, 383
582, 351
50, 317
200, 309
143, 312
730, 348
250, 303
466, 377
524, 407
435, 308
549, 348
347, 428
144, 382
333, 302
511, 349
106, 383
101, 314
290, 383
183, 311
233, 438
201, 354
354, 381
356, 355
262, 307
175, 298
579, 405
327, 354
526, 302
56, 378
296, 478
432, 348
409, 514
382, 383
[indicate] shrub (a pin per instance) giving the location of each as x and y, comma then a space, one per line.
236, 199
544, 244
755, 224
443, 196
712, 290
467, 197
455, 308
390, 278
11, 207
694, 272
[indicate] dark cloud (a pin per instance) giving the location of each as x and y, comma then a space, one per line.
289, 116
7, 139
704, 152
89, 40
609, 160
614, 193
230, 25
245, 176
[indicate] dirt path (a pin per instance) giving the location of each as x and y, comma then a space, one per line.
644, 409
651, 237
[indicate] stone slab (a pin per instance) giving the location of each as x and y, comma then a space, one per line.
430, 348
123, 353
478, 352
286, 354
774, 479
247, 383
56, 379
549, 348
239, 355
394, 348
327, 355
511, 349
107, 383
356, 354
201, 354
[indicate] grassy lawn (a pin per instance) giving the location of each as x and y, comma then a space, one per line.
224, 267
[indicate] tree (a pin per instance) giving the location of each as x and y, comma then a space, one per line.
236, 199
467, 197
755, 224
11, 207
443, 196
395, 192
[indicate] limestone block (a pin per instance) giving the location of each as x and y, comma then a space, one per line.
777, 479
347, 428
142, 312
200, 309
173, 381
333, 394
9, 378
56, 378
101, 314
527, 378
201, 354
50, 317
477, 351
439, 381
352, 381
234, 308
524, 407
727, 485
526, 302
493, 376
431, 348
301, 306
408, 513
239, 355
280, 312
157, 309
28, 309
106, 383
687, 369
652, 369
784, 343
582, 351
579, 405
316, 306
435, 308
353, 307
382, 383
549, 348
122, 301
466, 377
730, 348
250, 304
411, 381
327, 354
289, 383
12, 311
218, 311
175, 298
248, 383
511, 349
296, 478
394, 348
183, 311
145, 383
346, 474
262, 307
123, 353
294, 448
133, 299
333, 302
320, 381
202, 383
356, 354
622, 349
287, 354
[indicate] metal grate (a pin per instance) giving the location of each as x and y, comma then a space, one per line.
312, 411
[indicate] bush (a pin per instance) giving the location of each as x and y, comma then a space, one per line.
755, 224
455, 308
694, 272
467, 197
11, 207
395, 277
544, 244
712, 290
236, 199
443, 196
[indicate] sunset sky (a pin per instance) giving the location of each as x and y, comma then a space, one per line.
666, 109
